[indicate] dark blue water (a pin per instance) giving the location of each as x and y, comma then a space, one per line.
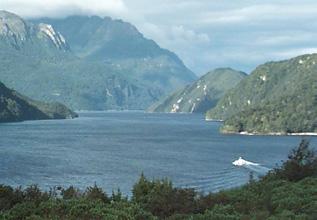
112, 149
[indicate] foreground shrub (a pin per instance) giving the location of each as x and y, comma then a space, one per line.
96, 193
162, 199
70, 193
9, 197
301, 163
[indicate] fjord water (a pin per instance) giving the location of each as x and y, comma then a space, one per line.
112, 149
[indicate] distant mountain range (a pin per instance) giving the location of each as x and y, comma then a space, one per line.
277, 97
16, 107
89, 63
201, 95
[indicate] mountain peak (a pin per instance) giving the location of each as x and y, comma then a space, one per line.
224, 72
109, 65
222, 69
18, 33
8, 15
106, 38
56, 37
12, 25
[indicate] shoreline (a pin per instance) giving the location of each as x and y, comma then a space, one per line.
272, 134
213, 120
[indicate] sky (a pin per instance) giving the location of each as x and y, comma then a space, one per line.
205, 34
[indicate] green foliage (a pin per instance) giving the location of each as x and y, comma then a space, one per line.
96, 193
301, 163
291, 114
265, 199
118, 197
220, 212
201, 95
277, 97
70, 193
34, 194
92, 204
162, 199
9, 197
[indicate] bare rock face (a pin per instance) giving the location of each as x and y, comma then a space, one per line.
19, 32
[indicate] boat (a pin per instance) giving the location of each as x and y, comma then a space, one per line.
242, 162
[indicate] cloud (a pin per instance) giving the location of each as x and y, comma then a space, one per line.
207, 33
260, 12
179, 32
293, 52
61, 8
243, 34
174, 34
185, 42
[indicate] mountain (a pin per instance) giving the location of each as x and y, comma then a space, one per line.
16, 107
78, 64
17, 34
201, 95
121, 44
106, 38
278, 97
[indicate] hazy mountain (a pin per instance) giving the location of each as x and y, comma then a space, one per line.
40, 61
16, 107
105, 38
276, 97
202, 95
121, 44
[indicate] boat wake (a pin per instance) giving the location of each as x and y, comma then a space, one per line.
255, 167
224, 178
242, 162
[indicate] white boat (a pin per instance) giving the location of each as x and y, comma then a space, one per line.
242, 162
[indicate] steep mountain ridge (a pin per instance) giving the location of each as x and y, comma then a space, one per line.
202, 95
42, 56
106, 38
120, 44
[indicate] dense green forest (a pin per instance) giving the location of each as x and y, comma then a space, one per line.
287, 192
275, 97
290, 114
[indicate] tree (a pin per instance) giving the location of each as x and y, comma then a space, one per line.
70, 193
141, 190
96, 193
301, 163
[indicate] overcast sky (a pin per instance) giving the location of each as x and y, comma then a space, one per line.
206, 34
